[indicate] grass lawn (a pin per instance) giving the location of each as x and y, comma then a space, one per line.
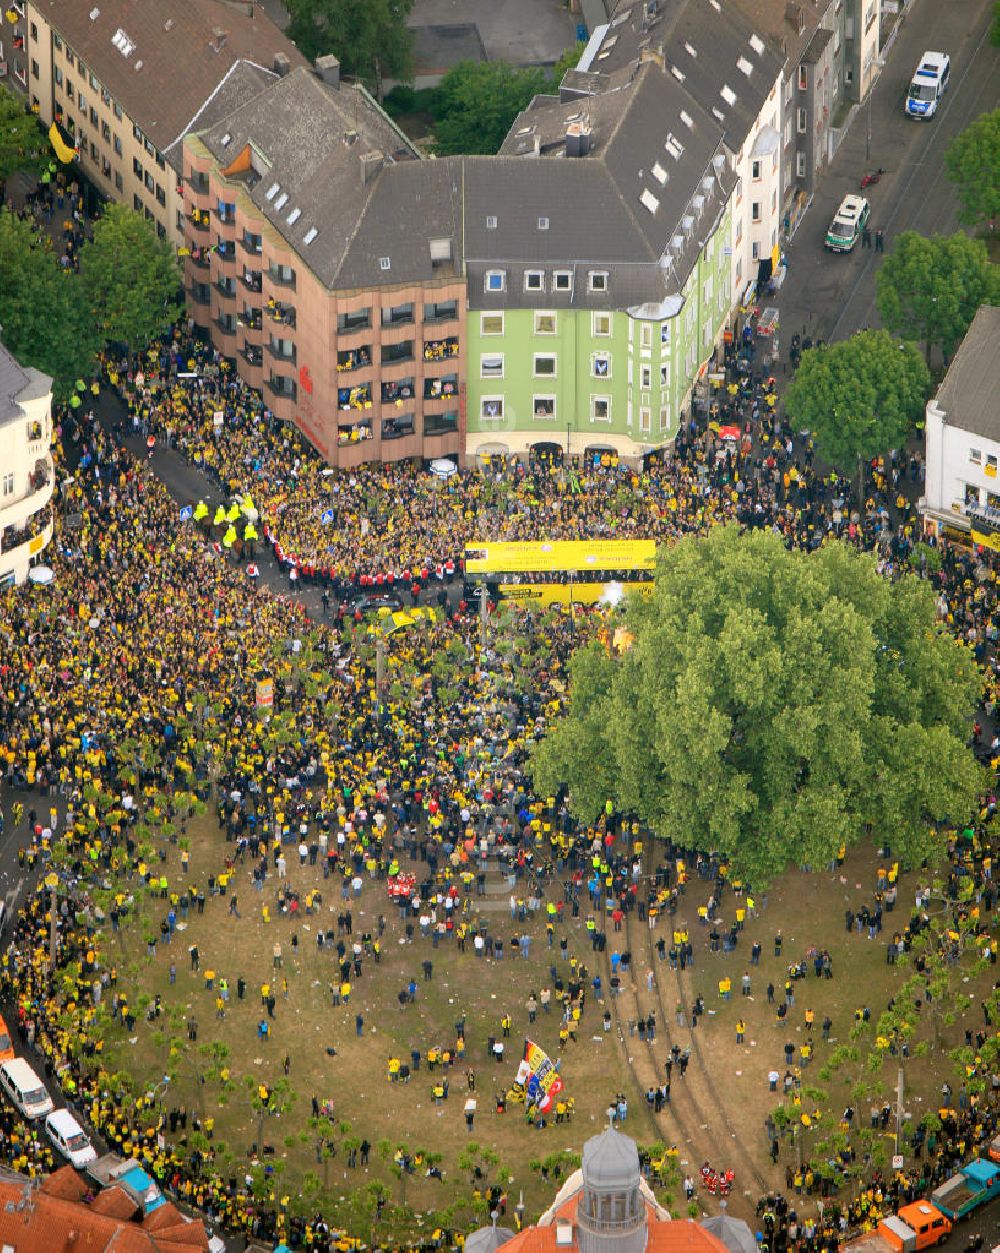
718, 1110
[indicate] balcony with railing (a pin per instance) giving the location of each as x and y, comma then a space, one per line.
252, 354
252, 319
281, 276
282, 350
442, 386
354, 433
359, 358
279, 312
225, 287
199, 294
398, 391
283, 386
442, 311
200, 219
225, 250
397, 354
399, 426
200, 258
441, 349
252, 280
225, 324
441, 423
352, 323
359, 397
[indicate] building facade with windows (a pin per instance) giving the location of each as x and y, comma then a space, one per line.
26, 470
962, 434
127, 82
298, 265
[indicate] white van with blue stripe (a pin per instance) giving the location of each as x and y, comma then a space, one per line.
929, 83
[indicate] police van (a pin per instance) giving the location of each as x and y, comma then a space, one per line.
930, 82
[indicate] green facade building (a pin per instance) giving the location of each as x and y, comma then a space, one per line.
598, 269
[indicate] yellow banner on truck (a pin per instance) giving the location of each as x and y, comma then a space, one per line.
553, 556
569, 593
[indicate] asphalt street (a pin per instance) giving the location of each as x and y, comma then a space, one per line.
828, 295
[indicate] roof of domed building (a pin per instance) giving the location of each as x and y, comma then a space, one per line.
487, 1239
610, 1160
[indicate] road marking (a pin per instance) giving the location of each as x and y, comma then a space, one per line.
12, 894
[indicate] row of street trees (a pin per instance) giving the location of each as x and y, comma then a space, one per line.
127, 292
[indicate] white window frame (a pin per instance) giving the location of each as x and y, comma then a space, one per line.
664, 418
595, 400
800, 165
491, 274
491, 400
665, 375
534, 280
8, 484
646, 376
545, 356
562, 280
976, 456
755, 211
645, 335
493, 374
600, 356
484, 317
597, 280
544, 417
645, 419
545, 313
597, 321
801, 121
755, 168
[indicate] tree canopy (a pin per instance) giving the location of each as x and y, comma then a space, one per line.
930, 289
45, 319
23, 145
369, 37
476, 102
973, 164
859, 397
774, 703
130, 278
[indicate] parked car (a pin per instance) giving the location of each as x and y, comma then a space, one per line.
848, 223
69, 1138
929, 83
24, 1089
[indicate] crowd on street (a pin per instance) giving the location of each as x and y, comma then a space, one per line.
132, 682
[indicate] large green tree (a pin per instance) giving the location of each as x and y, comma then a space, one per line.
859, 397
930, 289
130, 277
23, 145
45, 319
370, 37
973, 164
477, 101
774, 705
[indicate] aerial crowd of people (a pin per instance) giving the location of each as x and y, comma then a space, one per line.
132, 681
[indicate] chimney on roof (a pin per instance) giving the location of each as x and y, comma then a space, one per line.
579, 139
219, 37
281, 64
371, 163
328, 69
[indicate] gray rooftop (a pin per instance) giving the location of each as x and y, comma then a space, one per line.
610, 1161
165, 60
733, 1232
710, 46
316, 152
13, 381
488, 1239
970, 393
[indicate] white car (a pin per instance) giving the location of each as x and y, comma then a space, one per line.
69, 1138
